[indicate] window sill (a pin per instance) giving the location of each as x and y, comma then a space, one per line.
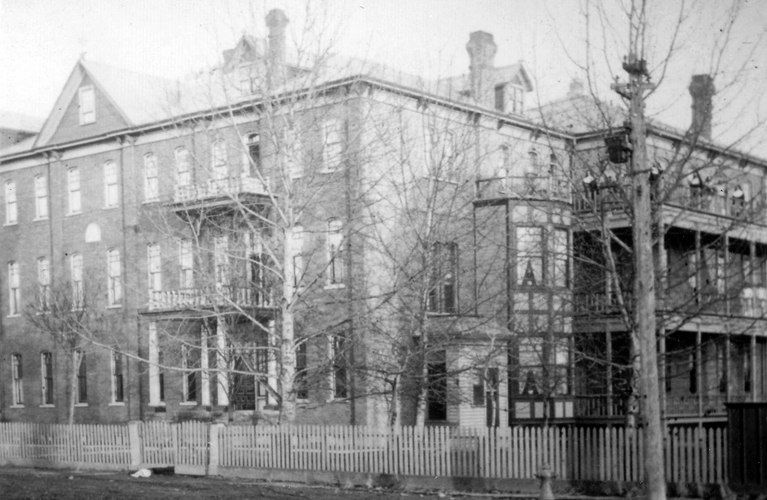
10, 224
47, 406
335, 286
154, 200
14, 315
81, 405
115, 306
16, 407
111, 207
157, 405
188, 403
40, 219
119, 403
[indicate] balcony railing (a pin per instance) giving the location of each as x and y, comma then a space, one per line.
710, 404
230, 187
201, 298
528, 186
599, 302
600, 406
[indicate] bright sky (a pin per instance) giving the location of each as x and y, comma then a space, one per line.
41, 40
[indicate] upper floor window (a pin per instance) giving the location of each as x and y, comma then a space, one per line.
559, 257
530, 256
183, 173
118, 395
114, 277
332, 145
151, 181
298, 258
41, 197
218, 160
11, 211
509, 99
186, 264
339, 382
44, 283
46, 377
111, 194
81, 368
76, 274
73, 187
87, 102
302, 378
14, 289
156, 386
190, 364
335, 250
17, 375
253, 157
154, 261
221, 258
442, 286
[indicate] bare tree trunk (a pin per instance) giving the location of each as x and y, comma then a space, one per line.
287, 340
72, 386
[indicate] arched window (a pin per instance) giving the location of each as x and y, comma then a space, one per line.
92, 233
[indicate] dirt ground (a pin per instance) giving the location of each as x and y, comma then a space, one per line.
39, 484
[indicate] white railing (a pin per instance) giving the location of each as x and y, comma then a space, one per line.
529, 186
218, 296
218, 188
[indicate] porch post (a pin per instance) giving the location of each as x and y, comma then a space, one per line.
204, 366
222, 377
609, 353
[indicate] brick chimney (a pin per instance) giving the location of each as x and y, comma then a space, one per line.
481, 49
702, 91
276, 21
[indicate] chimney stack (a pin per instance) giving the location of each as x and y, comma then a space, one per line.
481, 49
702, 91
276, 21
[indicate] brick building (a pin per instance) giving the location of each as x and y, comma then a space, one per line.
299, 233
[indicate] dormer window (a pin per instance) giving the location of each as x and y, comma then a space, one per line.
87, 103
509, 99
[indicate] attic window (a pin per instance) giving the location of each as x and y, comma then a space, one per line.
508, 99
87, 105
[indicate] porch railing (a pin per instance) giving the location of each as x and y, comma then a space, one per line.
529, 186
218, 296
217, 188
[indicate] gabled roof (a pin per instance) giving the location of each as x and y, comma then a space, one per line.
456, 87
248, 49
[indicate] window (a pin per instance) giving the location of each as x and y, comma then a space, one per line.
76, 273
92, 233
515, 99
44, 283
302, 379
442, 288
46, 378
218, 160
154, 262
81, 368
87, 104
117, 378
530, 366
298, 257
257, 262
14, 289
338, 374
500, 97
111, 195
332, 147
561, 382
186, 264
253, 157
114, 272
17, 380
533, 163
335, 252
436, 389
559, 258
41, 197
221, 258
530, 256
190, 361
73, 186
156, 378
292, 149
11, 210
183, 174
151, 182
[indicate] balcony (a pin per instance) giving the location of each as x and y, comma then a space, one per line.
600, 303
548, 188
600, 406
205, 299
220, 192
687, 406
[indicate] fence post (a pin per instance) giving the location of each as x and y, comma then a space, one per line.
214, 453
134, 437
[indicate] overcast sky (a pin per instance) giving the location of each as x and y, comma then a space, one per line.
41, 40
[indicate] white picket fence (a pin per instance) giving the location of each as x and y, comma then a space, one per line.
599, 454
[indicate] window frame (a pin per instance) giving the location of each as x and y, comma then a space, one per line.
185, 264
332, 145
111, 185
298, 256
443, 280
44, 282
17, 379
219, 164
533, 255
86, 100
190, 378
151, 179
253, 164
81, 366
156, 376
302, 375
14, 288
118, 378
183, 170
11, 203
560, 262
74, 194
41, 197
76, 268
339, 373
46, 379
114, 277
335, 243
154, 268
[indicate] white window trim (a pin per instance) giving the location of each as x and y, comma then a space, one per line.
87, 116
11, 199
332, 129
151, 182
113, 400
74, 194
114, 296
14, 297
181, 157
38, 215
107, 202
